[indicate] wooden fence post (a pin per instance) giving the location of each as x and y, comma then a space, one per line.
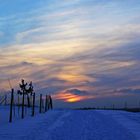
18, 105
25, 107
46, 104
51, 104
22, 115
40, 107
43, 108
33, 107
14, 107
11, 105
5, 99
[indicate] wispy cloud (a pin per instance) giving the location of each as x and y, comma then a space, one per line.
90, 46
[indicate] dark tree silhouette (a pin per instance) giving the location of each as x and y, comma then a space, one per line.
23, 89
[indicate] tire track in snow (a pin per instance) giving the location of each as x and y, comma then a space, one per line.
50, 122
89, 125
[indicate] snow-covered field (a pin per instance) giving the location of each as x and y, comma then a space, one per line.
74, 125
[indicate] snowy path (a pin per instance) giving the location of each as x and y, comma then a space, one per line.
74, 125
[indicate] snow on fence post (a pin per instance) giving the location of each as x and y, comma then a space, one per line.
33, 107
40, 106
11, 105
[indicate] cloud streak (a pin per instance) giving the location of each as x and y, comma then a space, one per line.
88, 46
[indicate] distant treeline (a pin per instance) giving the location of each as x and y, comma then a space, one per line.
123, 109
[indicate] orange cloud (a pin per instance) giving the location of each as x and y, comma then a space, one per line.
69, 97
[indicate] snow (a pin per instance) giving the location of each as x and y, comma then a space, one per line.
131, 121
74, 125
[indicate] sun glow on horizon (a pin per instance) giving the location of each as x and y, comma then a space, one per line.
71, 98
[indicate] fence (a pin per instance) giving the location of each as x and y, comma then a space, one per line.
22, 103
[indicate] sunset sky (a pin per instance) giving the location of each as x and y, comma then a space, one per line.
82, 52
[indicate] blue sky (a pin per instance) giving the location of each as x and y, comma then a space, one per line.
79, 51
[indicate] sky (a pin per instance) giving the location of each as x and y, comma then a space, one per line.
84, 53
